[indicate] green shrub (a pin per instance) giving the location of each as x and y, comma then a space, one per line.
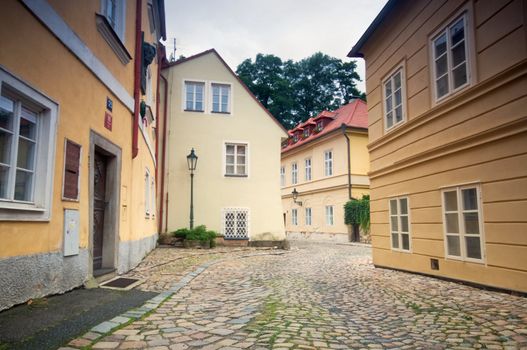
357, 212
199, 233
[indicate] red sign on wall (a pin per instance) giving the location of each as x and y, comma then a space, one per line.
108, 121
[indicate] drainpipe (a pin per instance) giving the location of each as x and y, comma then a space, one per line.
137, 76
343, 128
163, 157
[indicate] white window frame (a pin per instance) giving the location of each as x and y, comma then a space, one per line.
307, 164
147, 193
465, 14
390, 78
236, 210
40, 207
204, 97
306, 133
309, 217
229, 97
282, 176
294, 217
236, 144
153, 198
294, 173
328, 163
330, 215
120, 17
461, 222
398, 217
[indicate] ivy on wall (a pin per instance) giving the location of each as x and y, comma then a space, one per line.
357, 212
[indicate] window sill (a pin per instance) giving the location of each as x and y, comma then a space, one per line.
235, 239
215, 112
112, 38
194, 110
234, 175
22, 212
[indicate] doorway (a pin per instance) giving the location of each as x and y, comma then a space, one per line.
105, 175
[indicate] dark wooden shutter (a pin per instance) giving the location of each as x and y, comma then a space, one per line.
71, 170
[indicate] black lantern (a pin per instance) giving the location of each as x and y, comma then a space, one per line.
295, 196
192, 161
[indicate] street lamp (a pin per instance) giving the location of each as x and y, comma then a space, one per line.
295, 196
192, 160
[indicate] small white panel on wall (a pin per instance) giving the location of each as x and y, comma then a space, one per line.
71, 232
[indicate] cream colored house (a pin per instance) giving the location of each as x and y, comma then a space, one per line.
237, 142
447, 109
325, 160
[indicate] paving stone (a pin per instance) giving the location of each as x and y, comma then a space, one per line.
80, 342
105, 345
104, 327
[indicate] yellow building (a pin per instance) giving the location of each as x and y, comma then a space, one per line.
447, 104
237, 142
325, 160
77, 159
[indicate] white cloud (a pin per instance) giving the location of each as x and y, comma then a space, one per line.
290, 29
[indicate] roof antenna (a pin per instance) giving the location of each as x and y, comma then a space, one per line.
173, 54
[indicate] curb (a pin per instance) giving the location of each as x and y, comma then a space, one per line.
150, 305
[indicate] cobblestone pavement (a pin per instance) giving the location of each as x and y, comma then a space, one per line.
321, 296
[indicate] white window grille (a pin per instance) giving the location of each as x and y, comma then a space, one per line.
194, 92
115, 12
308, 169
147, 193
153, 198
328, 163
294, 217
294, 173
236, 159
394, 99
220, 98
282, 176
235, 223
400, 223
308, 216
329, 215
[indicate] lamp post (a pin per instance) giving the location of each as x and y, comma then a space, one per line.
192, 160
295, 196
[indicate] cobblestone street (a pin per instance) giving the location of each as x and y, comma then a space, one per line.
323, 296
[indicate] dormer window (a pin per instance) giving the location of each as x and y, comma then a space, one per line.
306, 133
320, 125
295, 137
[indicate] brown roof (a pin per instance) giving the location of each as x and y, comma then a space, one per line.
353, 115
171, 64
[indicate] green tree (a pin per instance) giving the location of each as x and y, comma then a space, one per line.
295, 91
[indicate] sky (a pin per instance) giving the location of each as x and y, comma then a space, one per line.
289, 29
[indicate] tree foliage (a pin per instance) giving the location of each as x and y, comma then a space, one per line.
295, 91
357, 212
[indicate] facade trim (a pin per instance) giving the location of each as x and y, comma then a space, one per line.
52, 20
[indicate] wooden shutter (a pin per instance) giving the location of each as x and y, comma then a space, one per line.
71, 170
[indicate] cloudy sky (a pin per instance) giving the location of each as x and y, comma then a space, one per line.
289, 29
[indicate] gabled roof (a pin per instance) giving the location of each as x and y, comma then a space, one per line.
356, 49
213, 51
353, 115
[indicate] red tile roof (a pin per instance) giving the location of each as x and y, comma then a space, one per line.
354, 115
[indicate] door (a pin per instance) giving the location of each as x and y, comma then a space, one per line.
99, 207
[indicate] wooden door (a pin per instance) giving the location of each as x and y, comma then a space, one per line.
99, 206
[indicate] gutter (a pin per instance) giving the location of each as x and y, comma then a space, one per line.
163, 157
343, 128
137, 77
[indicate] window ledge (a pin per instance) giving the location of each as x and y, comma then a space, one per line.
112, 38
235, 239
234, 175
217, 112
194, 110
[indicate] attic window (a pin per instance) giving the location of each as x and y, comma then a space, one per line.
295, 137
306, 133
320, 125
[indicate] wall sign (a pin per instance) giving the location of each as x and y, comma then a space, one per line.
109, 104
108, 121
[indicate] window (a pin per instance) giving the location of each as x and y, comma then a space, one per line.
147, 194
320, 125
308, 169
394, 99
462, 223
220, 98
70, 186
236, 159
27, 143
329, 215
295, 137
306, 133
294, 217
115, 11
235, 223
294, 173
328, 163
282, 176
194, 96
308, 216
450, 62
399, 224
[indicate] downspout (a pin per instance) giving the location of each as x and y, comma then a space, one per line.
343, 128
163, 157
137, 76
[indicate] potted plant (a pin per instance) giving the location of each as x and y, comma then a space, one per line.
198, 237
